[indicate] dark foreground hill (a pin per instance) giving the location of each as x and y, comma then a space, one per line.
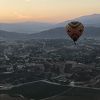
44, 89
38, 90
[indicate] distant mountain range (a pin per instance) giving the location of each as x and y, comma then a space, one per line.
48, 31
56, 33
36, 27
5, 35
25, 27
89, 20
60, 33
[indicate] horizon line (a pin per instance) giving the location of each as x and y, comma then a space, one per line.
49, 22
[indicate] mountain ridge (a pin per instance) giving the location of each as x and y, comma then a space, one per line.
36, 27
60, 33
87, 20
56, 33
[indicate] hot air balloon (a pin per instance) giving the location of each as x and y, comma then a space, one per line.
75, 30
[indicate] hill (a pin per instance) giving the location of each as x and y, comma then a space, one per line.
25, 27
45, 89
60, 33
56, 33
5, 35
88, 20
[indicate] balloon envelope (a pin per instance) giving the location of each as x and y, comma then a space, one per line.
75, 30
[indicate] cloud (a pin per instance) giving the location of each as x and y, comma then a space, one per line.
21, 16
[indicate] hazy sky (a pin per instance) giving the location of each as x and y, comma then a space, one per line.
46, 10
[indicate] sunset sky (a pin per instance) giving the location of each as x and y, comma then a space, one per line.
46, 10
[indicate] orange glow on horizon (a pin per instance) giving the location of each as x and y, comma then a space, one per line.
46, 10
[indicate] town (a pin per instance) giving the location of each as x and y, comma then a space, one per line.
56, 60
